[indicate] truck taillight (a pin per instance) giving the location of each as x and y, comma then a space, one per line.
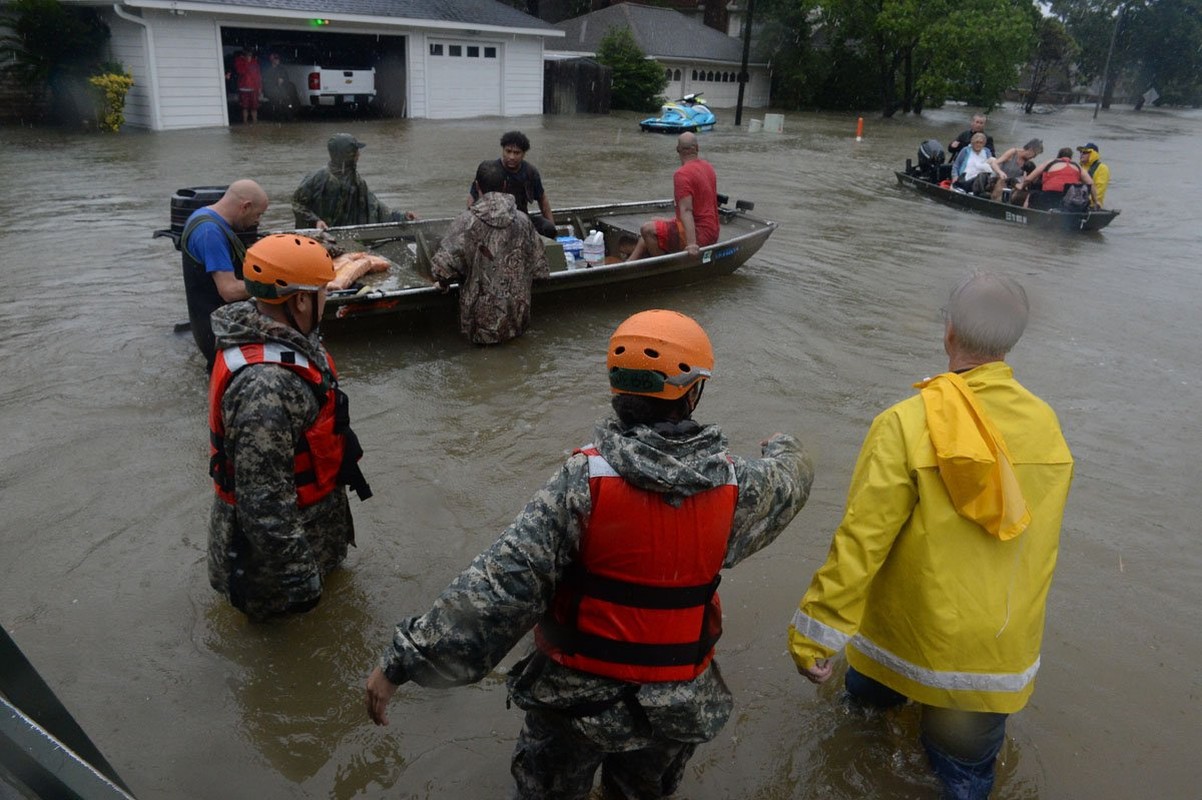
315, 81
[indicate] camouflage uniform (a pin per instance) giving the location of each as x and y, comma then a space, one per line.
335, 193
494, 254
265, 410
642, 735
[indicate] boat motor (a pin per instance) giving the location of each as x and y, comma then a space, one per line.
930, 158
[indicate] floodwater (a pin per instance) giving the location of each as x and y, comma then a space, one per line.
104, 452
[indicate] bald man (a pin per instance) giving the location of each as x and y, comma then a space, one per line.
695, 190
213, 254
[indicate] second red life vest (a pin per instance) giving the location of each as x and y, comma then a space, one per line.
642, 605
1056, 181
319, 453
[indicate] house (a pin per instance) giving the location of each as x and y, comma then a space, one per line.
433, 58
696, 58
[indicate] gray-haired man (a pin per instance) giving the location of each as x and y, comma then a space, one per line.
937, 580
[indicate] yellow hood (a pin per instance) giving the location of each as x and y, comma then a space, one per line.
974, 463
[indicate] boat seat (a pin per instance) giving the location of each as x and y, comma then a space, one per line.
629, 224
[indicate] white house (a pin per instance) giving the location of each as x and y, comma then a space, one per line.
450, 59
695, 58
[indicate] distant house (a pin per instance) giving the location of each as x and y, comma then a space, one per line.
434, 58
695, 58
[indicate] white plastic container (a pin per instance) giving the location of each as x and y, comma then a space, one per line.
594, 248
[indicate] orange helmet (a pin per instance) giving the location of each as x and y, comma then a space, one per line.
283, 264
658, 354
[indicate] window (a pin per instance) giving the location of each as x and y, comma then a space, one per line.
435, 49
709, 76
473, 51
676, 75
490, 52
668, 74
455, 50
694, 74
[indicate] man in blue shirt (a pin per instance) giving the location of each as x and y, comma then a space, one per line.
212, 256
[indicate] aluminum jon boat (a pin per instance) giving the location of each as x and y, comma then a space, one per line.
414, 243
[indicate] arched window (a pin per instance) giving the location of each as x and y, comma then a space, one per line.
668, 74
676, 75
709, 76
694, 74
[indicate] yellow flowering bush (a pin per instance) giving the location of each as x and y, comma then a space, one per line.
113, 87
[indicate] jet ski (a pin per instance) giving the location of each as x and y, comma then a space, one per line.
689, 113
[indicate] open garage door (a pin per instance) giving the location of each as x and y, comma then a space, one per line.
464, 78
299, 53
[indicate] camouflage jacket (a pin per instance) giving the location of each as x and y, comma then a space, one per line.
337, 194
265, 410
485, 611
494, 254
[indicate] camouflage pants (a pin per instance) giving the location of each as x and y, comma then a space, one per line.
552, 762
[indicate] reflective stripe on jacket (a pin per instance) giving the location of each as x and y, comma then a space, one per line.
319, 453
925, 600
642, 604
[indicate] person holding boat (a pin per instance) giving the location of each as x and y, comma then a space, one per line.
1014, 164
615, 564
523, 182
974, 167
937, 580
1050, 180
964, 140
695, 191
212, 257
1098, 172
493, 252
281, 448
337, 195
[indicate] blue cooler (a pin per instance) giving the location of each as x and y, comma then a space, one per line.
573, 248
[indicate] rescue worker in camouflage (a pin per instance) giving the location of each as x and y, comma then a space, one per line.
336, 195
614, 563
494, 253
281, 447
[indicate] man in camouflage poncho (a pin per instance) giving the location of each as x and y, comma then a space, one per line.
282, 449
641, 731
336, 195
494, 253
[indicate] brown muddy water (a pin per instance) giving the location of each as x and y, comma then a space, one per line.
105, 495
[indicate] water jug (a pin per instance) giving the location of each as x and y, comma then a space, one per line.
594, 248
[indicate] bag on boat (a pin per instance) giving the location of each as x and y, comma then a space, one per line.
1076, 198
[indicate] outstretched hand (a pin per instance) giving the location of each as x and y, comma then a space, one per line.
819, 673
379, 691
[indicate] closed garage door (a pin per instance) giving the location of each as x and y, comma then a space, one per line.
464, 78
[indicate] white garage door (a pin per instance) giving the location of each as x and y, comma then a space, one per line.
464, 78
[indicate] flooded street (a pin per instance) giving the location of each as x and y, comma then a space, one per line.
103, 460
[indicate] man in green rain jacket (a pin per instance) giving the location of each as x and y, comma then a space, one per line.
937, 579
336, 195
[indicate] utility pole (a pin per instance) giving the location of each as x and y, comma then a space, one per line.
743, 76
1114, 34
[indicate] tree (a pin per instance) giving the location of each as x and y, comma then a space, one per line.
50, 47
637, 80
1166, 48
1054, 51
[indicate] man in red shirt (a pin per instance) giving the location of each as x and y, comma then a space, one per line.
695, 190
250, 85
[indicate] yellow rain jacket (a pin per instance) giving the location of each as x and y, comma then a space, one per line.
1100, 175
936, 584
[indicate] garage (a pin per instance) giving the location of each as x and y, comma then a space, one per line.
372, 66
464, 76
430, 58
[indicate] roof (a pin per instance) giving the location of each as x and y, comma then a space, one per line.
660, 33
454, 13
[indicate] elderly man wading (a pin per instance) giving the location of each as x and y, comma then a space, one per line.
938, 576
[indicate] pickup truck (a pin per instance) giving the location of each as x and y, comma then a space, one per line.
319, 85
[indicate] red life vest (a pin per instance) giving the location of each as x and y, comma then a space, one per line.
1056, 181
641, 604
319, 452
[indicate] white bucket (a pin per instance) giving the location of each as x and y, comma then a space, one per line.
755, 126
774, 123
